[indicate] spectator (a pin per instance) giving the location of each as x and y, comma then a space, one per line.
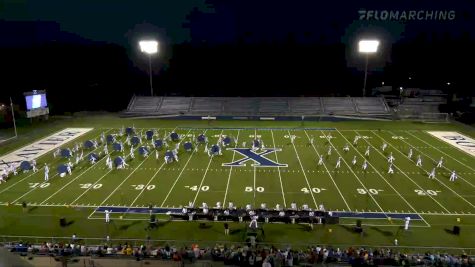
226, 229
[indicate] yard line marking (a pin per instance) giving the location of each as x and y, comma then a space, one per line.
444, 154
278, 169
53, 175
382, 155
356, 176
204, 175
57, 159
438, 180
444, 147
305, 175
231, 169
122, 181
126, 178
70, 182
382, 177
29, 191
163, 164
33, 173
179, 175
85, 191
145, 187
331, 177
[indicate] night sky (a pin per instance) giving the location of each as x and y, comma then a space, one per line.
233, 48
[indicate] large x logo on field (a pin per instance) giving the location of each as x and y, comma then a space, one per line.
258, 158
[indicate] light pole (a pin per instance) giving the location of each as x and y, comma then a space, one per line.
149, 47
13, 117
367, 47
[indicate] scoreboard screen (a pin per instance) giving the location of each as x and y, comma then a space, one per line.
36, 104
36, 101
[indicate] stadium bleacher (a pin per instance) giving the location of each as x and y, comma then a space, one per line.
307, 105
241, 106
416, 106
339, 105
370, 105
265, 106
207, 105
171, 105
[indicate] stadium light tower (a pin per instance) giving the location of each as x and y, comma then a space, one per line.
367, 47
149, 47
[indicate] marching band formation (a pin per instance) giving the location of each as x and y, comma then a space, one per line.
169, 144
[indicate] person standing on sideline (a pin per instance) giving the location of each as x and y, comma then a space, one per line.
226, 228
107, 213
406, 223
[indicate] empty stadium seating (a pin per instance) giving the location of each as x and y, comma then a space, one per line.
338, 105
305, 105
370, 105
416, 106
240, 106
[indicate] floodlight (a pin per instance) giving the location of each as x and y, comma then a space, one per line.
149, 46
368, 46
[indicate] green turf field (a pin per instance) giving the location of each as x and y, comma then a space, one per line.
200, 178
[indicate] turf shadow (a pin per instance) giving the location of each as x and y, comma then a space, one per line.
352, 229
127, 226
383, 232
449, 231
31, 209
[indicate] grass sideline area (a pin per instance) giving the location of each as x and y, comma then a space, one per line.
197, 177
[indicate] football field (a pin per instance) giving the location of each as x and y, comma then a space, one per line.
280, 173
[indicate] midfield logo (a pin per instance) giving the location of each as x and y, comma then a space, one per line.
258, 158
